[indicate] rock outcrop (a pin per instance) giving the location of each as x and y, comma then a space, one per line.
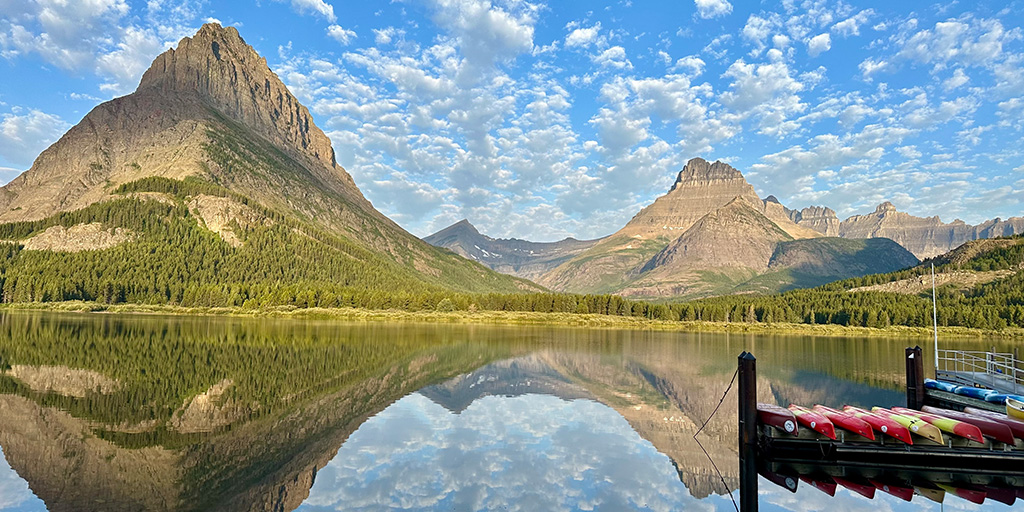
512, 256
819, 218
924, 236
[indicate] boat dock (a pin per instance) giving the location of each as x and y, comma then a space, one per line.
969, 469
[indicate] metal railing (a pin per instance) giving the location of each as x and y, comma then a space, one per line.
995, 370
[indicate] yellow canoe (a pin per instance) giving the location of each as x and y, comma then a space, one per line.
1014, 408
915, 425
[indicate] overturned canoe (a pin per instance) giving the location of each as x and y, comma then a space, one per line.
814, 421
989, 428
914, 425
846, 421
945, 424
1016, 426
778, 417
1015, 408
887, 426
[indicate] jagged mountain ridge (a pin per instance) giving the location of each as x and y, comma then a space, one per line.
521, 258
211, 110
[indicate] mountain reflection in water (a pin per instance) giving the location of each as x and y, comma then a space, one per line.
107, 412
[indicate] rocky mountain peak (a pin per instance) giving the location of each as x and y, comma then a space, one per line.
700, 171
229, 75
885, 207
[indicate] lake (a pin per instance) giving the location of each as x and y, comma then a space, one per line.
139, 412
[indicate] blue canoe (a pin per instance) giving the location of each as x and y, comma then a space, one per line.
1000, 398
940, 385
973, 392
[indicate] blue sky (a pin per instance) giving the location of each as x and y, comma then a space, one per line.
544, 120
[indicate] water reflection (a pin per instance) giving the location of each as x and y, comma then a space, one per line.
153, 413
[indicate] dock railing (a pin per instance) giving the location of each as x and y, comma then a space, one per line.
995, 370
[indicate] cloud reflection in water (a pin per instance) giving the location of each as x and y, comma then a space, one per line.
528, 453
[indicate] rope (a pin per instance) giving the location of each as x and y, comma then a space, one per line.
706, 454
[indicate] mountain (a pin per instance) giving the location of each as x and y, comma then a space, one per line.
512, 256
210, 185
925, 237
711, 234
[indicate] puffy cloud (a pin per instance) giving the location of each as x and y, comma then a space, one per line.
708, 9
487, 34
583, 36
24, 134
341, 35
851, 26
124, 66
958, 79
819, 44
767, 92
317, 7
614, 57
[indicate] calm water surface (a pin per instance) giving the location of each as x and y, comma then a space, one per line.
104, 412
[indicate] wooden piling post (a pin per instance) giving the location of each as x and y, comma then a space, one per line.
747, 367
915, 378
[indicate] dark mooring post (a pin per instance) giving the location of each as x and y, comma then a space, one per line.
915, 378
748, 431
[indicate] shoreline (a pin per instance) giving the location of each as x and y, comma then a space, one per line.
593, 321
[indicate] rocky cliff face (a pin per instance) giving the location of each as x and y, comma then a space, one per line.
925, 237
512, 256
818, 218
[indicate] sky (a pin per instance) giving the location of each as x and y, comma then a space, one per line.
544, 120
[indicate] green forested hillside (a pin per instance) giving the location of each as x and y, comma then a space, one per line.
172, 259
989, 304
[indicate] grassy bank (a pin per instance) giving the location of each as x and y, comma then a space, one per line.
521, 318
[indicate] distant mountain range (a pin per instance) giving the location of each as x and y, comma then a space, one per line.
712, 234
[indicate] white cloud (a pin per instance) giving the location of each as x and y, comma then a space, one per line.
708, 9
583, 36
766, 92
958, 79
487, 34
756, 30
318, 7
341, 35
851, 26
819, 44
124, 66
386, 35
614, 57
24, 134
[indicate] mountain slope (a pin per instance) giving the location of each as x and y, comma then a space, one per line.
211, 120
710, 234
521, 258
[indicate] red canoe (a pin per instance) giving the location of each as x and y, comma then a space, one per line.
988, 428
825, 486
900, 491
971, 495
786, 482
955, 427
778, 417
846, 421
1000, 494
1016, 426
864, 489
813, 421
882, 424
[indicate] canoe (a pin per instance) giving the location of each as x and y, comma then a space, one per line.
813, 421
974, 392
778, 417
1000, 398
936, 495
989, 428
863, 488
846, 421
785, 481
914, 425
1015, 408
900, 491
882, 424
1000, 494
1016, 426
825, 486
940, 385
970, 495
955, 427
